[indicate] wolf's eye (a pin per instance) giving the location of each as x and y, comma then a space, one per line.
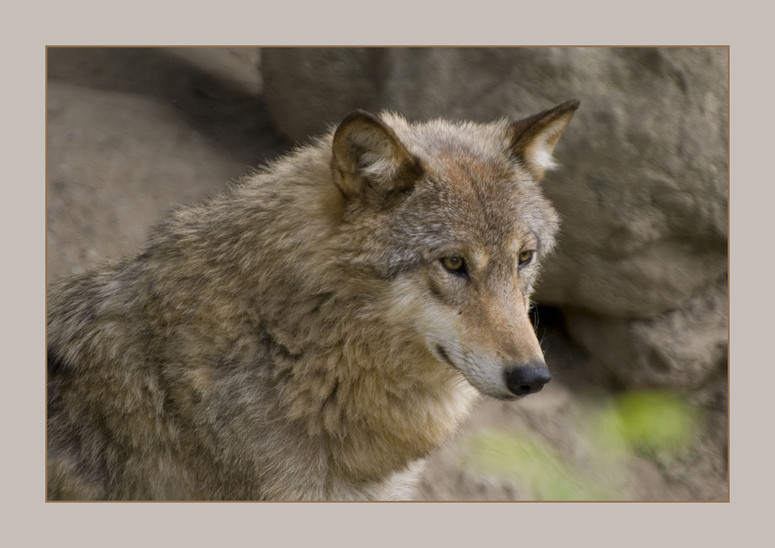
455, 264
525, 257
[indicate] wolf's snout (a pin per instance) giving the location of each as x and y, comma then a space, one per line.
527, 379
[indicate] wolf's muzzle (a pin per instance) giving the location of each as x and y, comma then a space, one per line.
527, 379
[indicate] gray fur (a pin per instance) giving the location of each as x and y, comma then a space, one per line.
263, 345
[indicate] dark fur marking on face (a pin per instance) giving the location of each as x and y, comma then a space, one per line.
443, 355
394, 197
406, 262
435, 291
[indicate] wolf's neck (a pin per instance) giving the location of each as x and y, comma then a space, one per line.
380, 404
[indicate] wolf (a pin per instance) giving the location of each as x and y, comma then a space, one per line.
314, 332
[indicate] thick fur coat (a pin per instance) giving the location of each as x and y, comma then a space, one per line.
316, 331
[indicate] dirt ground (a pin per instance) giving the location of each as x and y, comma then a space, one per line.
133, 133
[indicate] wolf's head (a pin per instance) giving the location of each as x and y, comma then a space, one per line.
450, 219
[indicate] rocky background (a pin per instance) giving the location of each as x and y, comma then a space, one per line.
633, 306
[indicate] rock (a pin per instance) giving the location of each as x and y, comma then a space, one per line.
130, 136
225, 72
642, 190
308, 89
125, 176
685, 348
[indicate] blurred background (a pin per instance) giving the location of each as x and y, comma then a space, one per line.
633, 306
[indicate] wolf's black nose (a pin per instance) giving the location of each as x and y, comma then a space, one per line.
527, 379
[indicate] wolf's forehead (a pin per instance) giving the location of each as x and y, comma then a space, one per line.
469, 212
489, 185
467, 167
462, 142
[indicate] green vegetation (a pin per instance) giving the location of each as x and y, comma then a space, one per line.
655, 424
534, 463
645, 422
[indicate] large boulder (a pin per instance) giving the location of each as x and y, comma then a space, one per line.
643, 189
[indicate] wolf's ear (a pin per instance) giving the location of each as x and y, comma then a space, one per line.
368, 157
533, 138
